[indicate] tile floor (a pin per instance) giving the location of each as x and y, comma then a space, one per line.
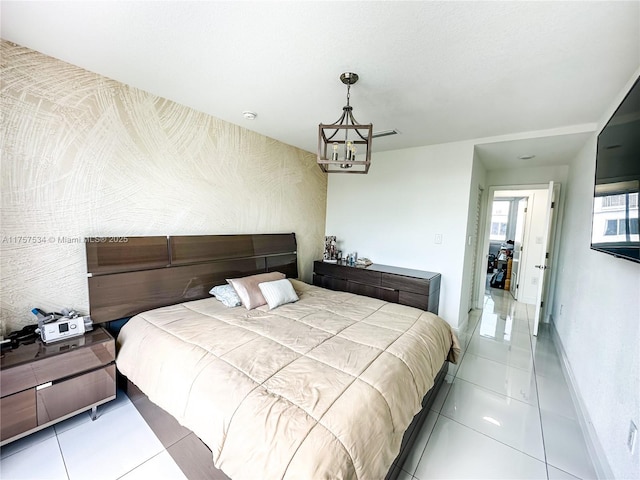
504, 412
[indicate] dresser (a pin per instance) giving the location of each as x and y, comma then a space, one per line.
415, 288
42, 384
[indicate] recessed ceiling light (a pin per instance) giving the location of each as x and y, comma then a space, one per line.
526, 157
249, 115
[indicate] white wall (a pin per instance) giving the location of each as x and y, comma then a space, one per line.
597, 316
392, 214
528, 175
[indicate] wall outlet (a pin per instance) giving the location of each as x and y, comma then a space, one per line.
631, 437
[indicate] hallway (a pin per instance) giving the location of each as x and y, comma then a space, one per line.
505, 411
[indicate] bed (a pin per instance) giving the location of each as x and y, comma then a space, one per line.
327, 387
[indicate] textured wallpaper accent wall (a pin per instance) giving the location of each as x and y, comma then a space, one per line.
83, 155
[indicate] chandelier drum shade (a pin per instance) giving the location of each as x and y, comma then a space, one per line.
345, 146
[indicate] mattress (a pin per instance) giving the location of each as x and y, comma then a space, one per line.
321, 388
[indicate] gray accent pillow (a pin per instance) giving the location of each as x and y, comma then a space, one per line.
227, 295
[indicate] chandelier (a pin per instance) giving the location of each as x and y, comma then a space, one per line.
345, 146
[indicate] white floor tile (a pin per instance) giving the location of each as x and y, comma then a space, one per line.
26, 442
413, 458
457, 452
509, 421
565, 445
404, 476
162, 466
557, 474
120, 400
453, 367
122, 437
554, 396
41, 461
442, 394
548, 365
72, 422
501, 352
499, 378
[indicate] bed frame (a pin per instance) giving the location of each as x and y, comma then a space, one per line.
129, 275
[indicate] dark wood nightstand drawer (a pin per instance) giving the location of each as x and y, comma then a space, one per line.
74, 394
17, 413
73, 361
44, 383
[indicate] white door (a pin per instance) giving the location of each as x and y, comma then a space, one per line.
544, 262
517, 246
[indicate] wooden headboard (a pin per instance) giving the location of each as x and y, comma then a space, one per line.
129, 275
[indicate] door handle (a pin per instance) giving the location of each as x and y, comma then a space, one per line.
541, 267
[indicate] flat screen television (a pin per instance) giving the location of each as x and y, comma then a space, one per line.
614, 226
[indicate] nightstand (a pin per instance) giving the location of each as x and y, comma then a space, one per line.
42, 384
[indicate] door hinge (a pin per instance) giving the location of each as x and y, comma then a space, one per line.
553, 204
517, 285
546, 255
520, 247
525, 209
542, 304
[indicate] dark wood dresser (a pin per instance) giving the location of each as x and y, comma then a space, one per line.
416, 288
42, 384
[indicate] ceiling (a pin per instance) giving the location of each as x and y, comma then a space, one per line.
435, 71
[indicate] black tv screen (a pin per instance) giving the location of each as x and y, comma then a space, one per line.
614, 226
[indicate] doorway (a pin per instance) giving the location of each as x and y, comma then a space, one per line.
519, 217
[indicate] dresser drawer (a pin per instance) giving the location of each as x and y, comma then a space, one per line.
324, 268
330, 282
17, 413
414, 300
372, 291
77, 393
407, 284
362, 275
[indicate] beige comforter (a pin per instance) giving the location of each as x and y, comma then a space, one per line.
321, 388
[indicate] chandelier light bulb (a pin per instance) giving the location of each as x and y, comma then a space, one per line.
334, 156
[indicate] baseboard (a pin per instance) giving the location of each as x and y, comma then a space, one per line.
463, 324
596, 452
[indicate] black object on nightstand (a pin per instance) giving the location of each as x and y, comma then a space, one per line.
42, 384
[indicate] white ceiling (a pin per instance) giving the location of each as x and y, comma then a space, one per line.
435, 71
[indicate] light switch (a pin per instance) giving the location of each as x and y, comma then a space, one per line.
438, 238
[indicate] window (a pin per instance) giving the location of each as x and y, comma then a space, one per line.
619, 226
499, 220
613, 201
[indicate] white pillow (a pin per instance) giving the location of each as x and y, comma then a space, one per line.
278, 292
